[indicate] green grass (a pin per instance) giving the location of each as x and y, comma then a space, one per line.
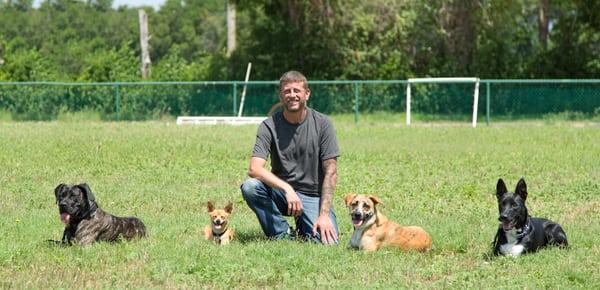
440, 176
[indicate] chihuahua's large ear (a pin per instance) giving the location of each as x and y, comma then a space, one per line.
375, 199
229, 208
521, 189
210, 207
58, 190
348, 199
500, 188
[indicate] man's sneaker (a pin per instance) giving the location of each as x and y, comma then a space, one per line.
290, 235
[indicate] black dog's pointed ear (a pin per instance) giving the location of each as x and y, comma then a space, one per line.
500, 188
521, 189
88, 193
58, 190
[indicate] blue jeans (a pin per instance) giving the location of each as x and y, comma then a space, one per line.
269, 204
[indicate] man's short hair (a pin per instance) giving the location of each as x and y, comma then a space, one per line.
293, 77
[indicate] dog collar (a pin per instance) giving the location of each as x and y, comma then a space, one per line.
526, 230
218, 236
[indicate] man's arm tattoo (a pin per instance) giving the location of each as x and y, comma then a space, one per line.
329, 183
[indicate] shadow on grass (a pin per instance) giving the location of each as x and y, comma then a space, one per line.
250, 237
253, 237
55, 244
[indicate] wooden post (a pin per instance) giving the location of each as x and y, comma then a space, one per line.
144, 38
230, 27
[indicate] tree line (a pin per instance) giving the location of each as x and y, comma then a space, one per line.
90, 41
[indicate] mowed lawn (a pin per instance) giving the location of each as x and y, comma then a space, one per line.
441, 177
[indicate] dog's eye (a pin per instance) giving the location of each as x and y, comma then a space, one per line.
366, 206
355, 203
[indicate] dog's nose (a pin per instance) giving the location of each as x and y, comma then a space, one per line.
503, 217
356, 215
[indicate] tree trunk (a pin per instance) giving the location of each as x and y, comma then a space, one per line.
144, 38
457, 20
543, 23
294, 12
231, 45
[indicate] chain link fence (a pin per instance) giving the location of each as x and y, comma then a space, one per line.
498, 99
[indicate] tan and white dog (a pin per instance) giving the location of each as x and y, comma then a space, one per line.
372, 230
219, 230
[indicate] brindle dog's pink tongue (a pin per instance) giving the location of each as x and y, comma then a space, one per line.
65, 217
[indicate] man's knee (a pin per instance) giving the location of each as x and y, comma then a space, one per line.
249, 188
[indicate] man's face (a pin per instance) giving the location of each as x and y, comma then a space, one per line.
293, 95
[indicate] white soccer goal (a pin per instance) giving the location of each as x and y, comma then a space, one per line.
233, 120
444, 80
199, 120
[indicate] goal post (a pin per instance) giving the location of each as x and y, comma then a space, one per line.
443, 80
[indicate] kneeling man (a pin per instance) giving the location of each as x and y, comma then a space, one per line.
303, 149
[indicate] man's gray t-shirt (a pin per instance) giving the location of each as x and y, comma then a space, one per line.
297, 150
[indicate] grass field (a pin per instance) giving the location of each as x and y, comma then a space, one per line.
441, 177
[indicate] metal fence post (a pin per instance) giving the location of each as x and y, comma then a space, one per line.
487, 103
118, 103
356, 100
234, 98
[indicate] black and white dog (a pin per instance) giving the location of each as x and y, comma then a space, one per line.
518, 232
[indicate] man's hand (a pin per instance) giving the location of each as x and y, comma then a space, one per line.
257, 170
294, 205
326, 229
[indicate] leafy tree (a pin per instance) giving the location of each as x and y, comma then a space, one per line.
110, 66
334, 39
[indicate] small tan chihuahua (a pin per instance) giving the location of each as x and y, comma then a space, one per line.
219, 230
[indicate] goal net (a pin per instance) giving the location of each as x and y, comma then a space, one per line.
413, 81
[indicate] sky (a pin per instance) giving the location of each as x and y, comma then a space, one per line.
131, 3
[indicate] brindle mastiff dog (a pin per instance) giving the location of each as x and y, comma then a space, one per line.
86, 222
